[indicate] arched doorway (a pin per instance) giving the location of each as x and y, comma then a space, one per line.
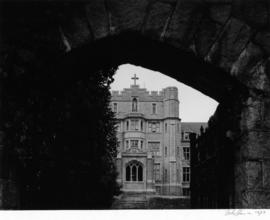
134, 171
134, 176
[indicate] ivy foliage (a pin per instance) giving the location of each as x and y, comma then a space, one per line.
61, 136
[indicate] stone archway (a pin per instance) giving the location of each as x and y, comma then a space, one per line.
216, 47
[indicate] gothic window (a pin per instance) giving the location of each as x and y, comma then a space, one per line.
141, 144
134, 105
141, 125
186, 174
134, 171
165, 127
165, 151
134, 125
157, 171
154, 108
114, 107
186, 153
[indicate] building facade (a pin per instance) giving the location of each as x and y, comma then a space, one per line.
150, 156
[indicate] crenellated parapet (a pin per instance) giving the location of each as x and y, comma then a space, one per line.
144, 95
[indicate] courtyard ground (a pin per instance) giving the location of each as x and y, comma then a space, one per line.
149, 201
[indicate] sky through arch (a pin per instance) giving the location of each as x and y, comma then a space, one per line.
194, 106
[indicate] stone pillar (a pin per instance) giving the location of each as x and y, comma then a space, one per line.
252, 167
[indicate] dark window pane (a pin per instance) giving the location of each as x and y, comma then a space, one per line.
140, 173
134, 173
128, 173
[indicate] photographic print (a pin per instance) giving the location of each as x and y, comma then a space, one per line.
134, 104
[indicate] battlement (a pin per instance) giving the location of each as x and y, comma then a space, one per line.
170, 93
145, 92
135, 91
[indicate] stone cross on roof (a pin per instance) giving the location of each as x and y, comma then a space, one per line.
135, 78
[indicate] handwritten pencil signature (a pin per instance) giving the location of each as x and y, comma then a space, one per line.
241, 212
